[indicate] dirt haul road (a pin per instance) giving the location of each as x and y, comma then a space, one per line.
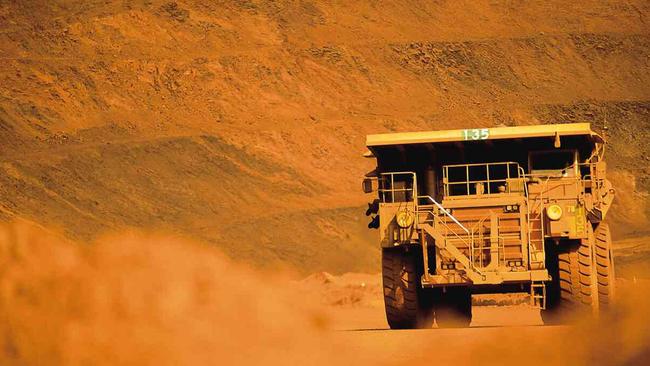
497, 334
143, 299
504, 328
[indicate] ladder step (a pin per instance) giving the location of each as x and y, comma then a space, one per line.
538, 294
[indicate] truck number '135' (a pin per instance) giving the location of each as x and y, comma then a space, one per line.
476, 134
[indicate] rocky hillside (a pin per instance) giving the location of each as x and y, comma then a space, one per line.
241, 123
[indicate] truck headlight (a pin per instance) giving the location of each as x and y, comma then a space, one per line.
554, 212
404, 219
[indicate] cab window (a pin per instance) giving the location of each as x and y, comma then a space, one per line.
554, 163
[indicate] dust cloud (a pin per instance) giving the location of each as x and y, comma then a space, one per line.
146, 299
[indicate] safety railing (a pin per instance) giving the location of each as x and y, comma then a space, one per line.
390, 187
467, 239
478, 227
484, 178
444, 211
536, 246
480, 252
596, 181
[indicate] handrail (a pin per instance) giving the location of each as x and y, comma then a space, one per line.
478, 227
482, 164
470, 234
522, 174
444, 210
470, 178
539, 204
392, 190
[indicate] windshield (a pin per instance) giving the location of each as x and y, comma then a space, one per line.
562, 163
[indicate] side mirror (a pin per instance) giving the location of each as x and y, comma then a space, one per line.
369, 185
373, 207
374, 224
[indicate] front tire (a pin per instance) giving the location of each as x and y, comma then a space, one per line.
571, 291
604, 262
408, 305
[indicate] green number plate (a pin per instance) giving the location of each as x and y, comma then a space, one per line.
476, 134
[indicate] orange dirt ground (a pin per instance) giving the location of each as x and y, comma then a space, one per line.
233, 132
147, 299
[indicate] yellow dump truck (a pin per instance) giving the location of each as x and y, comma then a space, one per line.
491, 210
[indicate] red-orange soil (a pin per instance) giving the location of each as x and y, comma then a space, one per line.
153, 300
213, 121
233, 131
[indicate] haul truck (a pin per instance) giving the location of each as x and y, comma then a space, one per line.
491, 210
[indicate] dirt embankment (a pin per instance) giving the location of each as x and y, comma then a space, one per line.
155, 300
210, 120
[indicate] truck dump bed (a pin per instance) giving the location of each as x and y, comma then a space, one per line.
497, 133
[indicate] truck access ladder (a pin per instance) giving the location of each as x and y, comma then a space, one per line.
536, 253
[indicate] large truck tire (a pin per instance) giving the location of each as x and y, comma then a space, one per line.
408, 305
604, 262
453, 308
570, 293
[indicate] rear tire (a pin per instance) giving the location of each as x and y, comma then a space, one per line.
408, 305
454, 307
604, 262
571, 291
